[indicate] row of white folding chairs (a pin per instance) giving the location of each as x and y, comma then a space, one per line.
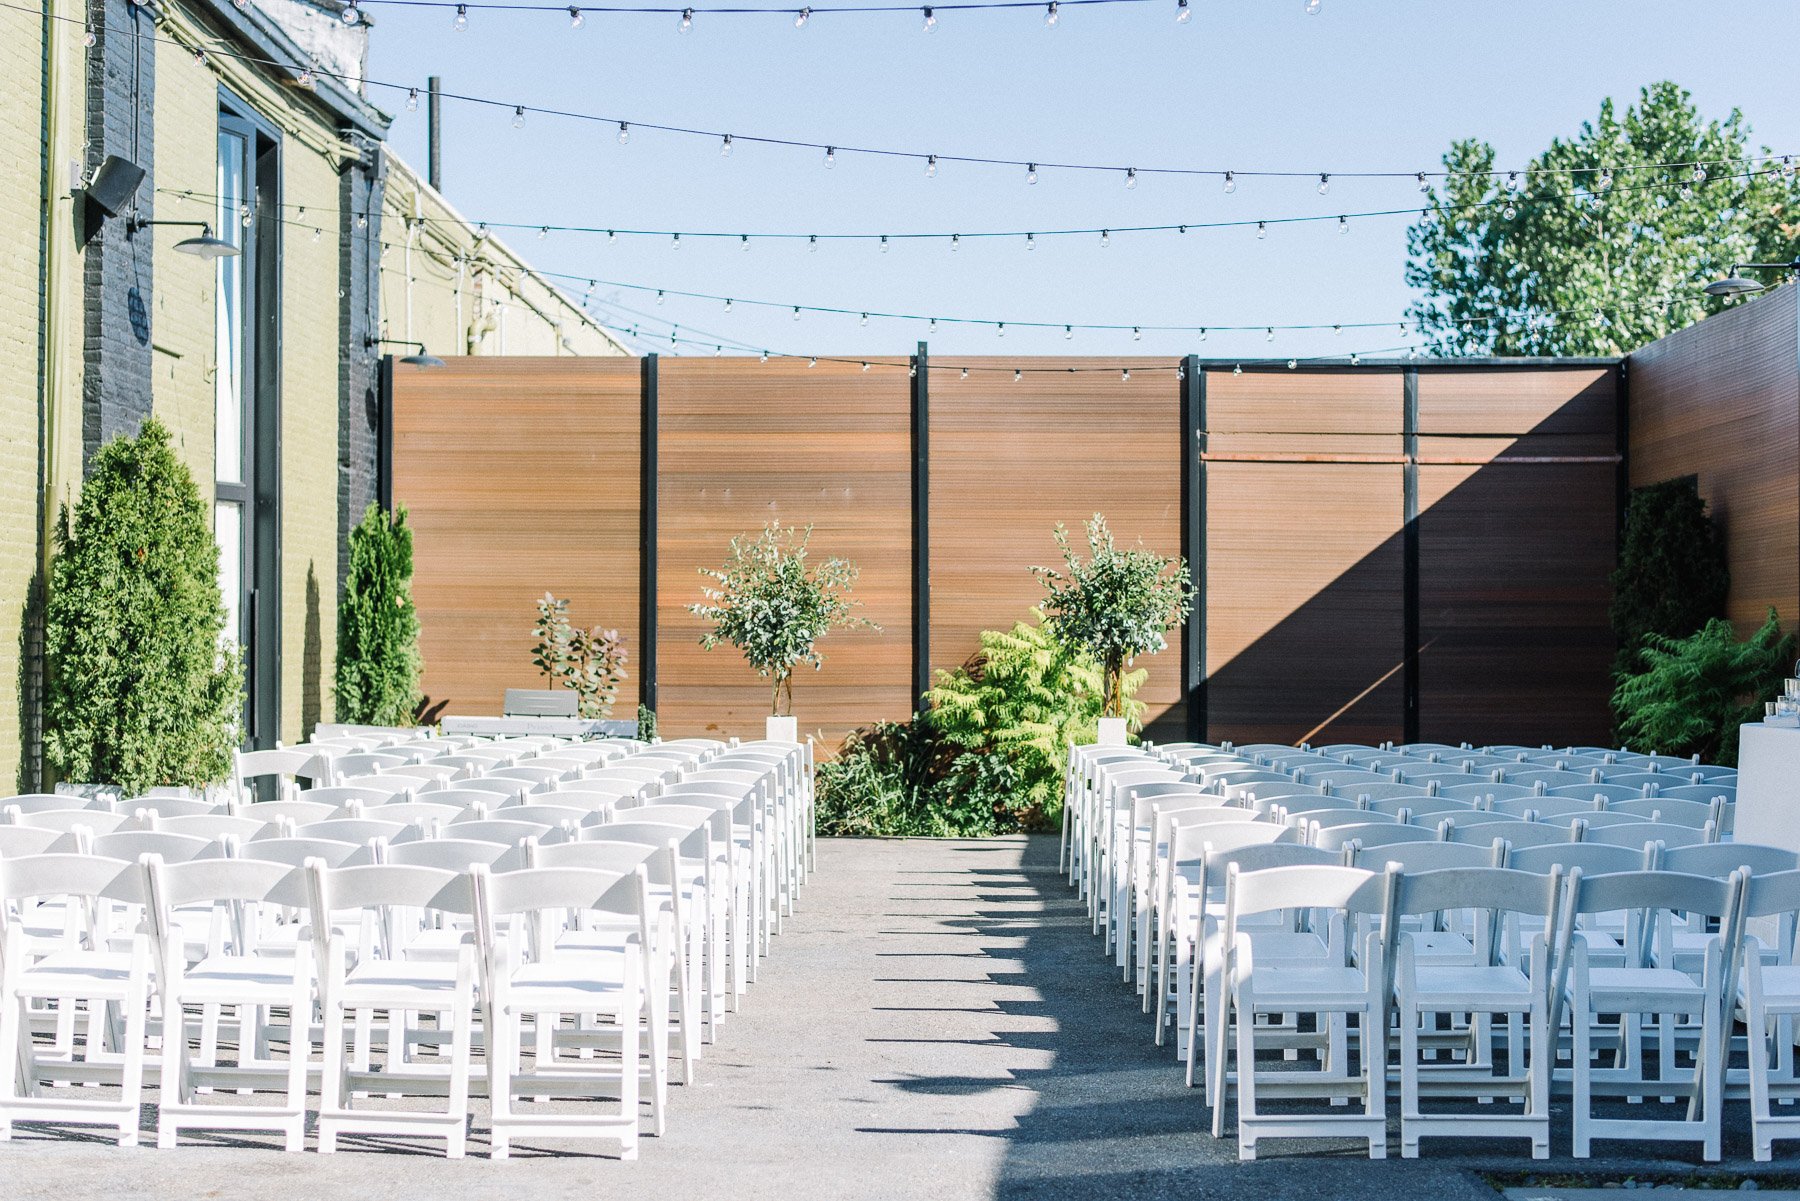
1510, 985
410, 855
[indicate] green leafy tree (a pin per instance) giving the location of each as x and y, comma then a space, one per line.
592, 662
378, 659
1673, 574
1115, 605
772, 606
1012, 710
1535, 262
1695, 692
140, 691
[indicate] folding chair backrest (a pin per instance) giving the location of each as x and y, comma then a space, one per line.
1591, 857
1303, 886
359, 830
1542, 806
382, 784
448, 854
1672, 810
1368, 834
1703, 794
132, 845
53, 802
505, 833
1549, 777
1640, 834
66, 821
419, 813
1722, 858
620, 857
1608, 793
1475, 886
1221, 861
689, 839
1481, 792
545, 815
220, 882
1590, 819
296, 812
1380, 790
455, 796
296, 851
30, 877
530, 774
1519, 834
1326, 818
1422, 856
501, 787
614, 790
587, 799
29, 840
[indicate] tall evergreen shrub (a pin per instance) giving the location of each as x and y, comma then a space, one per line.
1672, 575
378, 659
139, 689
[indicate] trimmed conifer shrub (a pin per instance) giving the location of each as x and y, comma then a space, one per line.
139, 691
378, 659
1672, 576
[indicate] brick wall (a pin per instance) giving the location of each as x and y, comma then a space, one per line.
21, 232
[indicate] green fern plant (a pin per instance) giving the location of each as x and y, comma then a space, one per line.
378, 660
1021, 700
140, 689
1694, 692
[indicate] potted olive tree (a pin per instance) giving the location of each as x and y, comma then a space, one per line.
1114, 605
774, 607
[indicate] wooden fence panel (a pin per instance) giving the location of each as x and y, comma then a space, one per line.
521, 477
742, 444
1010, 459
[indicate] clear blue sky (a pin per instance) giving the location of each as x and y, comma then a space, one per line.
1246, 84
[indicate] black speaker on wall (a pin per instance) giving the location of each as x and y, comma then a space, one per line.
114, 184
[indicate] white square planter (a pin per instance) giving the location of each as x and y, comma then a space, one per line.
1112, 732
783, 729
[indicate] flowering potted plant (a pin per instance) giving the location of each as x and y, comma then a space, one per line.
1114, 605
774, 607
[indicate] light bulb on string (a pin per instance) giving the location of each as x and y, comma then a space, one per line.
930, 160
412, 100
1355, 359
1293, 363
675, 242
1262, 230
1604, 180
1230, 182
965, 374
305, 80
624, 133
912, 372
543, 232
1238, 369
1137, 335
930, 20
1030, 172
1125, 375
1269, 334
1312, 8
1343, 225
884, 243
1180, 374
763, 357
932, 327
955, 242
1131, 177
801, 17
1337, 330
350, 15
89, 37
576, 20
659, 296
812, 243
865, 366
611, 237
1105, 238
1052, 14
1031, 241
1017, 375
461, 21
1699, 173
830, 156
863, 320
725, 147
813, 362
687, 21
1424, 184
1203, 333
1068, 333
796, 312
362, 220
1324, 183
718, 350
518, 120
1686, 191
728, 304
1000, 330
744, 242
1182, 12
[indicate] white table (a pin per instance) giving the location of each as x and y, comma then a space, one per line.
1768, 786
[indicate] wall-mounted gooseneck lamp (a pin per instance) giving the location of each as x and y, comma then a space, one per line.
1736, 284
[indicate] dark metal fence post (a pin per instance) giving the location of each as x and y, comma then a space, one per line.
1193, 540
921, 524
647, 504
1410, 552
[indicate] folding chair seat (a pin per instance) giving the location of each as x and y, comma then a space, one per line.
1135, 846
1333, 988
233, 974
1502, 975
364, 972
1152, 880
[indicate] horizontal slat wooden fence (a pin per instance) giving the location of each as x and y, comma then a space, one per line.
1384, 551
